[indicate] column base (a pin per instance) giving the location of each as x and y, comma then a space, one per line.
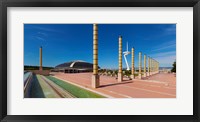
140, 76
132, 77
95, 81
120, 77
145, 75
40, 69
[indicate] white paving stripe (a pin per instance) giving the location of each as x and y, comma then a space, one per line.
101, 89
145, 85
105, 95
150, 91
117, 93
146, 90
132, 88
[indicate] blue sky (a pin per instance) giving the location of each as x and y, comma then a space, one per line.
66, 42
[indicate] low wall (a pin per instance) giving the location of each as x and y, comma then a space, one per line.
27, 86
40, 72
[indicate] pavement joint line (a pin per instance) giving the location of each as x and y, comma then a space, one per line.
117, 93
147, 90
162, 87
149, 85
156, 86
130, 87
85, 88
152, 81
110, 91
150, 91
169, 88
173, 85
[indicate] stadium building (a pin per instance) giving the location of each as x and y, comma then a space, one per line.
74, 67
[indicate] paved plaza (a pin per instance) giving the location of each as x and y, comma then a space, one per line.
160, 85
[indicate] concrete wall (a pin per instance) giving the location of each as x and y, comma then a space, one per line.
40, 72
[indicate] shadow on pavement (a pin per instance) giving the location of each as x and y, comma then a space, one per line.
116, 84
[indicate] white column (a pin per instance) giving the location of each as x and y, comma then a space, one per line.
120, 75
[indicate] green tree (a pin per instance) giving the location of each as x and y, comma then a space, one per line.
174, 67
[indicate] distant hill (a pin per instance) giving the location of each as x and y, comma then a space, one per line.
27, 67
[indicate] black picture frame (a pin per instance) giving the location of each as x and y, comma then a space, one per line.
99, 3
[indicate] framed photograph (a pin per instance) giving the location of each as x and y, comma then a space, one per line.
99, 60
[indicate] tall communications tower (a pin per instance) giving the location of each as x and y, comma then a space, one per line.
125, 54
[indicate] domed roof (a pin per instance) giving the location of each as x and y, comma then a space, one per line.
76, 64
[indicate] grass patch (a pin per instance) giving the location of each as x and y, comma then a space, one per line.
74, 90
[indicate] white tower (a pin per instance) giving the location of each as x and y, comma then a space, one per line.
125, 54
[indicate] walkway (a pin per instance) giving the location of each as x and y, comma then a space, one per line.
157, 86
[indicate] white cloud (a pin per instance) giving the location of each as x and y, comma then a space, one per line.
165, 47
163, 54
166, 59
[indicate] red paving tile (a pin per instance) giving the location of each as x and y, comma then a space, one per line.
156, 86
